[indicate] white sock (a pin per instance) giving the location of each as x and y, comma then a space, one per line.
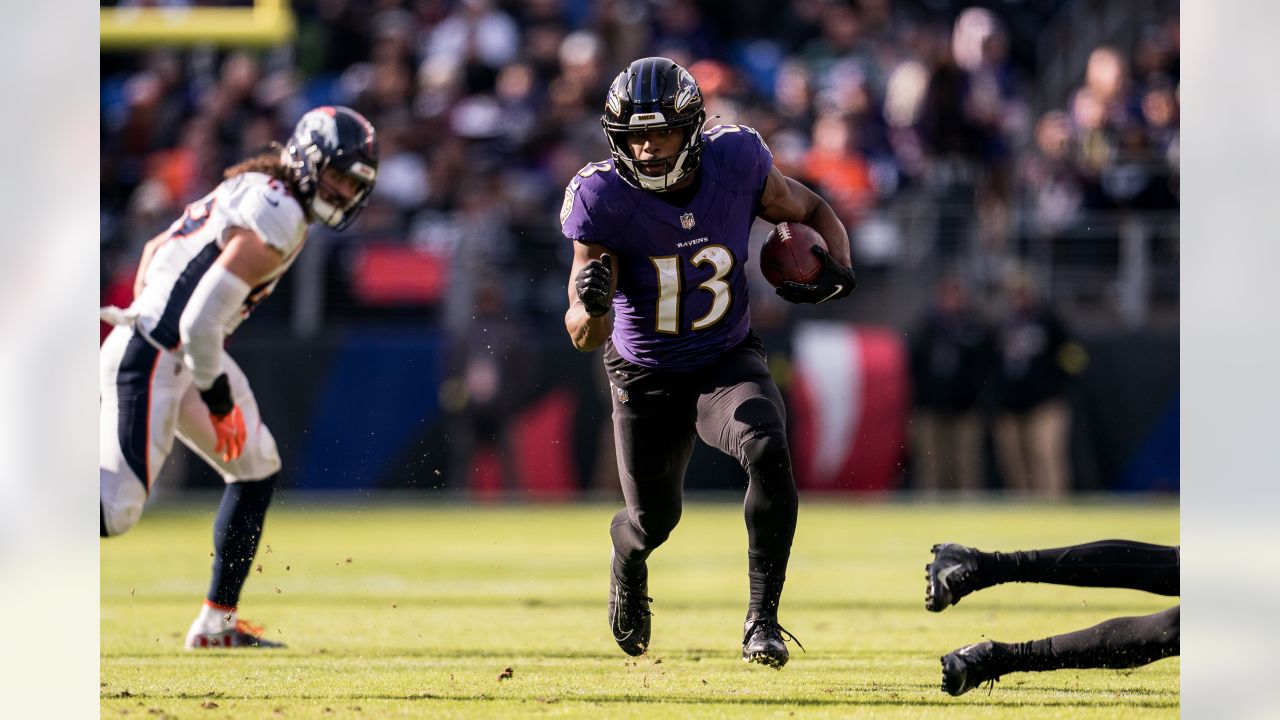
214, 620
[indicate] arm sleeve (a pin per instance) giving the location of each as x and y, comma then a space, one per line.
215, 301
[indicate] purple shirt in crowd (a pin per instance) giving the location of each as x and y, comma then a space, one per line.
682, 287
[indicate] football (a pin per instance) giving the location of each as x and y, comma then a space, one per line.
786, 254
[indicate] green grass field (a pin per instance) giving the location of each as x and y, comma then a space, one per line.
415, 611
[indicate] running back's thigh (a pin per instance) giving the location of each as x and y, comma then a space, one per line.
738, 399
653, 435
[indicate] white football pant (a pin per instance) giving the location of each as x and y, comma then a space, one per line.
148, 397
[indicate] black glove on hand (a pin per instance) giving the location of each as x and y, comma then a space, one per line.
595, 286
218, 397
835, 282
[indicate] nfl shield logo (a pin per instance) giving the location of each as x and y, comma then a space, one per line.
686, 221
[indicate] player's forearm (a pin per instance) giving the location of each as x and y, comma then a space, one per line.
585, 332
216, 299
148, 251
823, 219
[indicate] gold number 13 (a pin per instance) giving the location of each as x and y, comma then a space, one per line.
668, 270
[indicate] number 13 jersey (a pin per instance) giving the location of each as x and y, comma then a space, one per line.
682, 289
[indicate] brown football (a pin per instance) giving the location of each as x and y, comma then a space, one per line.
786, 254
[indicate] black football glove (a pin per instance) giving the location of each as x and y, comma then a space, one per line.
595, 286
218, 396
835, 282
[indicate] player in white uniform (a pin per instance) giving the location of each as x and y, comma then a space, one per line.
163, 369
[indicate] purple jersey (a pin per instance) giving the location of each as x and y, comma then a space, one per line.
682, 285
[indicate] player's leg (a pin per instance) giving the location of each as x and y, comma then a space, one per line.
741, 413
1118, 643
970, 468
653, 435
957, 570
139, 407
1011, 452
238, 526
1048, 429
925, 451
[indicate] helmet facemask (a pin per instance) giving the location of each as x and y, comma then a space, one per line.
676, 167
338, 214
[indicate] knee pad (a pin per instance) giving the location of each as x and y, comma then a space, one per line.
656, 527
121, 505
766, 452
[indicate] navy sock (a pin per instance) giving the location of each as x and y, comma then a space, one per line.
236, 531
102, 522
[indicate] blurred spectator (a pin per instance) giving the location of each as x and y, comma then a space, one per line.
1050, 178
680, 30
793, 95
1036, 358
491, 380
623, 26
722, 93
580, 55
838, 169
995, 107
951, 361
479, 37
800, 22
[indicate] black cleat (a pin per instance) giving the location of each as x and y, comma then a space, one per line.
763, 642
967, 668
950, 576
629, 614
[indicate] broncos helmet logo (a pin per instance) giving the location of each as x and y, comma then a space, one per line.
322, 124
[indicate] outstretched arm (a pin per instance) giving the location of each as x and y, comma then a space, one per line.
220, 294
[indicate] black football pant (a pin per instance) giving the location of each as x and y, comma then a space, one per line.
1106, 563
1117, 643
734, 406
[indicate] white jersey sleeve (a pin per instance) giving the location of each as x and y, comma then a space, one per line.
263, 204
254, 201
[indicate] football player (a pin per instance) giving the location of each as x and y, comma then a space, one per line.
1124, 642
163, 369
659, 235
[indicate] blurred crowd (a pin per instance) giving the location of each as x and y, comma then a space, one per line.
487, 107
